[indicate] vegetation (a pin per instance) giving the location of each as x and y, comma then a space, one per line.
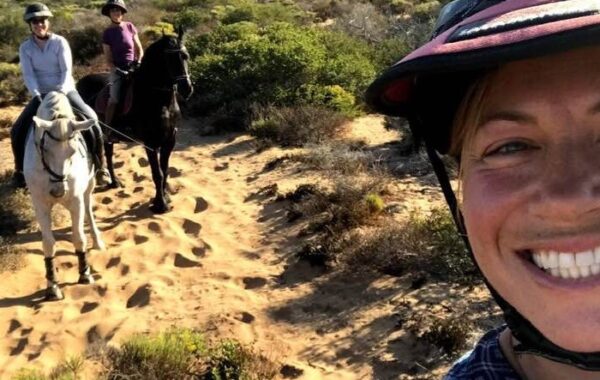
174, 354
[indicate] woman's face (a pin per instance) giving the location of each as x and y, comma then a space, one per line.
531, 193
116, 15
40, 26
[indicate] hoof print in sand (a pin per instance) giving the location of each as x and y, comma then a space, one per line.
201, 205
140, 239
14, 325
254, 282
113, 262
245, 317
154, 227
138, 189
143, 162
119, 164
88, 306
137, 178
140, 298
19, 347
201, 251
106, 200
174, 172
221, 167
191, 228
290, 372
124, 270
183, 262
122, 194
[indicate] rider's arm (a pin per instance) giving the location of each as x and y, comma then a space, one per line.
27, 70
139, 51
108, 56
65, 61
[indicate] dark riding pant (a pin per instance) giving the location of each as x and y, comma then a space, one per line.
93, 136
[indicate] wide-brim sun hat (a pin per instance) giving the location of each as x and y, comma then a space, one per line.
113, 4
473, 36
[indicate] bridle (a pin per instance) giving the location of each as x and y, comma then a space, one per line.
54, 177
177, 78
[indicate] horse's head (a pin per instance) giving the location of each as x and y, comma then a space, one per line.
170, 55
57, 144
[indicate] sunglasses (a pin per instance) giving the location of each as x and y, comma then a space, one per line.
41, 20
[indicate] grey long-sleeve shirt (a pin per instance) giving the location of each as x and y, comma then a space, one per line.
47, 69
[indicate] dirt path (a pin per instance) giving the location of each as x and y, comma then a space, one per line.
221, 261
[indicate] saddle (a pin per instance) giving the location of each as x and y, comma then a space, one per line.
124, 105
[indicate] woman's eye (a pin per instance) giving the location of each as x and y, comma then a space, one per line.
509, 148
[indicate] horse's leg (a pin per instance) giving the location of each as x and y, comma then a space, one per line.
159, 205
87, 197
109, 150
43, 215
77, 209
165, 154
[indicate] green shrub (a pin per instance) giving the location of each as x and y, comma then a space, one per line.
165, 356
86, 44
12, 88
69, 369
296, 126
231, 360
374, 202
449, 334
280, 64
262, 14
12, 32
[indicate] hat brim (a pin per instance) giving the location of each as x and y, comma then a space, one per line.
39, 14
439, 72
106, 9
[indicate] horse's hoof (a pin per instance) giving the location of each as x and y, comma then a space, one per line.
115, 184
53, 293
159, 208
86, 279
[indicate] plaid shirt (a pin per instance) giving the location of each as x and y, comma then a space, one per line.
485, 362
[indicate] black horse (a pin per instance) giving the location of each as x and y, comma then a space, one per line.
154, 114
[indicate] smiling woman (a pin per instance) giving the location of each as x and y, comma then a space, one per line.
511, 90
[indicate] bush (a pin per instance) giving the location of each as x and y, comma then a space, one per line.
449, 334
260, 13
184, 353
281, 65
339, 157
12, 88
12, 32
69, 369
86, 44
11, 258
296, 126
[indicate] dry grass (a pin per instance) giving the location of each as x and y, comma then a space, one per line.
16, 212
296, 126
423, 243
11, 257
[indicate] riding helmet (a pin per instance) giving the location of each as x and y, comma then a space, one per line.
36, 10
472, 36
113, 4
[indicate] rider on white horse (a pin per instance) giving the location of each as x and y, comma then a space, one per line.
58, 169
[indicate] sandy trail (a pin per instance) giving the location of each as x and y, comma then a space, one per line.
221, 261
207, 264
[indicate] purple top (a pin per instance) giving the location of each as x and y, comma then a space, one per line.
120, 40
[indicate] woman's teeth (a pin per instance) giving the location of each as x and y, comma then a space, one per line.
569, 265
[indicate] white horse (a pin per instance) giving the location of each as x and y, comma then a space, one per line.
58, 169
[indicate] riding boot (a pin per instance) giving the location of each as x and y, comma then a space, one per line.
18, 137
102, 175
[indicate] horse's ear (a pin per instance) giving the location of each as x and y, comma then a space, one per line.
180, 32
82, 125
41, 123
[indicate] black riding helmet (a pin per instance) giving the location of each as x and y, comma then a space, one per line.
113, 4
36, 10
427, 86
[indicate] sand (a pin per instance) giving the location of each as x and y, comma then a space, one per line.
221, 261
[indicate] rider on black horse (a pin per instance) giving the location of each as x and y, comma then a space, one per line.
46, 65
122, 50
